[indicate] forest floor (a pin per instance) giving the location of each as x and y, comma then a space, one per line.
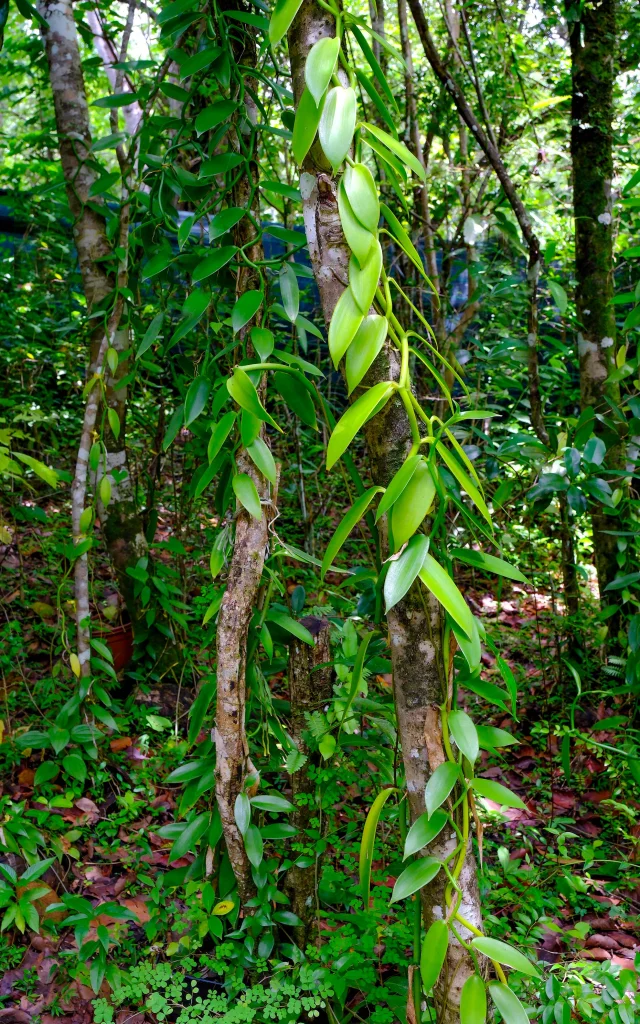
561, 876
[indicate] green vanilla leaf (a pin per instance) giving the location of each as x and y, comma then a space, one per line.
489, 563
505, 954
281, 19
305, 126
290, 626
367, 843
289, 291
320, 64
403, 239
246, 308
244, 393
414, 877
465, 734
246, 492
359, 239
398, 149
492, 738
507, 1002
355, 417
263, 341
213, 263
473, 1001
403, 570
423, 831
214, 115
297, 398
260, 454
196, 399
188, 838
254, 845
412, 504
364, 279
497, 792
338, 124
367, 342
398, 484
151, 334
440, 785
272, 802
346, 319
349, 521
438, 581
434, 951
362, 195
219, 434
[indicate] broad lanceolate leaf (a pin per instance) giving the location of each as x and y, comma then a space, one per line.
337, 124
362, 195
359, 239
440, 785
354, 418
260, 454
305, 126
320, 64
186, 841
214, 115
150, 335
296, 397
364, 279
244, 393
420, 873
489, 563
473, 1001
346, 319
196, 399
263, 341
398, 148
219, 434
465, 734
404, 570
253, 845
505, 954
507, 1002
281, 19
490, 737
351, 519
290, 625
497, 792
412, 504
246, 308
423, 831
290, 291
213, 263
364, 348
438, 581
464, 480
247, 494
434, 950
398, 484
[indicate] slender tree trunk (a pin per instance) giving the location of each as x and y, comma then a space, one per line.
593, 46
310, 675
120, 520
415, 627
234, 768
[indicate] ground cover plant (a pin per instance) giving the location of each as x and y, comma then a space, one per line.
320, 633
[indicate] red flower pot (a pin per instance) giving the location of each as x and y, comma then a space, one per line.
119, 640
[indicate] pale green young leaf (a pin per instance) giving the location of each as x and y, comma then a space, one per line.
473, 1001
403, 570
337, 124
346, 319
438, 581
505, 954
497, 792
465, 734
488, 563
364, 348
305, 126
349, 521
283, 14
507, 1002
247, 494
412, 504
414, 877
354, 418
434, 951
364, 279
244, 393
362, 194
359, 239
440, 785
261, 456
321, 61
397, 148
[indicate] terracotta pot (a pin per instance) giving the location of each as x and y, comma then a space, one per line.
119, 640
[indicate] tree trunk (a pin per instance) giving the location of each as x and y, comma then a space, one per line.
120, 521
415, 627
234, 768
593, 46
310, 675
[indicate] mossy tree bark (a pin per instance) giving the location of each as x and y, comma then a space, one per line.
592, 36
